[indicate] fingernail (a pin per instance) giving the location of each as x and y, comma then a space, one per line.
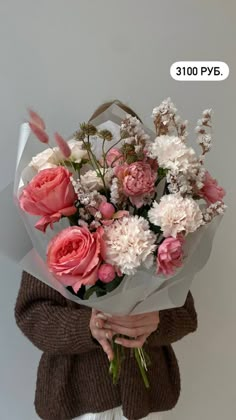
107, 335
101, 316
118, 341
97, 324
109, 315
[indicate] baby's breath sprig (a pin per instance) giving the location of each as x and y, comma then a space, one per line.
203, 129
167, 121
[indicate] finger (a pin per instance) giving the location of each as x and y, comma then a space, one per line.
135, 322
107, 349
101, 324
136, 343
94, 311
102, 333
127, 319
130, 332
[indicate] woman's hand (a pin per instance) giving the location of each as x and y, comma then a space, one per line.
137, 327
100, 333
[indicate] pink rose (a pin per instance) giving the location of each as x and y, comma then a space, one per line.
137, 180
211, 191
50, 194
74, 256
106, 273
114, 157
170, 255
107, 210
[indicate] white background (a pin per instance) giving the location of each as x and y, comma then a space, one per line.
64, 58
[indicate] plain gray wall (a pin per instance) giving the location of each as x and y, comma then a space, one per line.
64, 58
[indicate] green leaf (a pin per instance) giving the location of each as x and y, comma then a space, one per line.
162, 172
113, 284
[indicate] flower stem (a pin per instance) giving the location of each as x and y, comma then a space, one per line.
140, 358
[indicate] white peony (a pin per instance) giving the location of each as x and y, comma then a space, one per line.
44, 160
51, 158
77, 151
129, 243
175, 214
90, 181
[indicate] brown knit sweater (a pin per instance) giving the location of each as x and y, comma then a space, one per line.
73, 376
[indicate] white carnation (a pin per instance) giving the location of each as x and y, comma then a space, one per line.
172, 153
129, 243
175, 214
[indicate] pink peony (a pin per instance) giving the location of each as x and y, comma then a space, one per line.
107, 210
114, 157
211, 191
170, 255
74, 256
106, 273
137, 180
49, 194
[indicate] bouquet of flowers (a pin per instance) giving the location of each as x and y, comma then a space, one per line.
115, 215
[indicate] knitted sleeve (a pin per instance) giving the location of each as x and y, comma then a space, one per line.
47, 320
175, 323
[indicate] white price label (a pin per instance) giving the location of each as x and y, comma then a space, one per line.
199, 70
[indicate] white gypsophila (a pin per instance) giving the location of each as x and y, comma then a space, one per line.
207, 112
175, 214
90, 181
134, 128
115, 191
108, 176
44, 160
206, 141
129, 243
213, 210
184, 183
166, 110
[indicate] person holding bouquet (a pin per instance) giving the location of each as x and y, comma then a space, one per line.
77, 348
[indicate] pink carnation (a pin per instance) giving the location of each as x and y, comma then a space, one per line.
106, 273
137, 181
211, 191
170, 255
74, 256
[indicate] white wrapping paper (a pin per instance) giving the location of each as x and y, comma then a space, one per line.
143, 292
